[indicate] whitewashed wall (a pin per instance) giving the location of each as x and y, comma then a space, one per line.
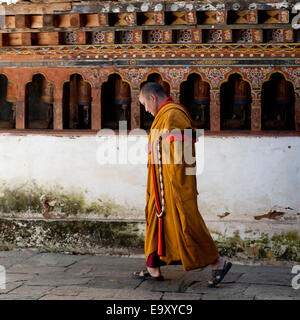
245, 176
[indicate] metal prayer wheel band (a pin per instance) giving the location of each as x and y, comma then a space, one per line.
240, 101
122, 102
282, 101
206, 102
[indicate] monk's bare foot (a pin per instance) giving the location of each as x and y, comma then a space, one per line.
154, 272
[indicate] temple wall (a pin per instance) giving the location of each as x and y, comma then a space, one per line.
245, 176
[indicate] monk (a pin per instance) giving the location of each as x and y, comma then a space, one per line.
175, 230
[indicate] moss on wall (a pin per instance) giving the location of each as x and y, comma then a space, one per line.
278, 247
26, 198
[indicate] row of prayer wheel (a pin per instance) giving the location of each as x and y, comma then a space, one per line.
122, 99
84, 92
201, 91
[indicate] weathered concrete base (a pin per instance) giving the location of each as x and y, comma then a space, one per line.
77, 236
84, 236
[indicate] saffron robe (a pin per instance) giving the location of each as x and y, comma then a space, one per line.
186, 238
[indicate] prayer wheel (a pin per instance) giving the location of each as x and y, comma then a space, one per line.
84, 93
122, 92
11, 95
201, 91
282, 94
122, 97
8, 105
240, 95
240, 103
200, 100
47, 92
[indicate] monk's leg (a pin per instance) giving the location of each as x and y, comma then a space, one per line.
153, 265
218, 264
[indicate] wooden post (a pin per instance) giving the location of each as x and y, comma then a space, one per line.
20, 107
58, 109
135, 109
73, 107
96, 108
215, 114
256, 111
175, 94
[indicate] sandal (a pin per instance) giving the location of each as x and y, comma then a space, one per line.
219, 274
146, 276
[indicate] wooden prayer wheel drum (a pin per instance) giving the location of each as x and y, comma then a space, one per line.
40, 109
84, 100
239, 107
282, 94
8, 109
240, 95
201, 91
92, 20
122, 92
84, 92
122, 97
11, 95
47, 92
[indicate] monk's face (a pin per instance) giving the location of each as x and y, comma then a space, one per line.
151, 103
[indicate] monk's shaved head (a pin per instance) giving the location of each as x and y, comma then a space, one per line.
152, 88
152, 96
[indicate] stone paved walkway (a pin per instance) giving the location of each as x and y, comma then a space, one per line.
35, 275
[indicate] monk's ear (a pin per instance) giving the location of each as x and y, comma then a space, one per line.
153, 97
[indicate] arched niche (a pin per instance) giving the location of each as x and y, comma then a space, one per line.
278, 104
146, 117
115, 102
195, 96
77, 103
39, 103
235, 104
8, 98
